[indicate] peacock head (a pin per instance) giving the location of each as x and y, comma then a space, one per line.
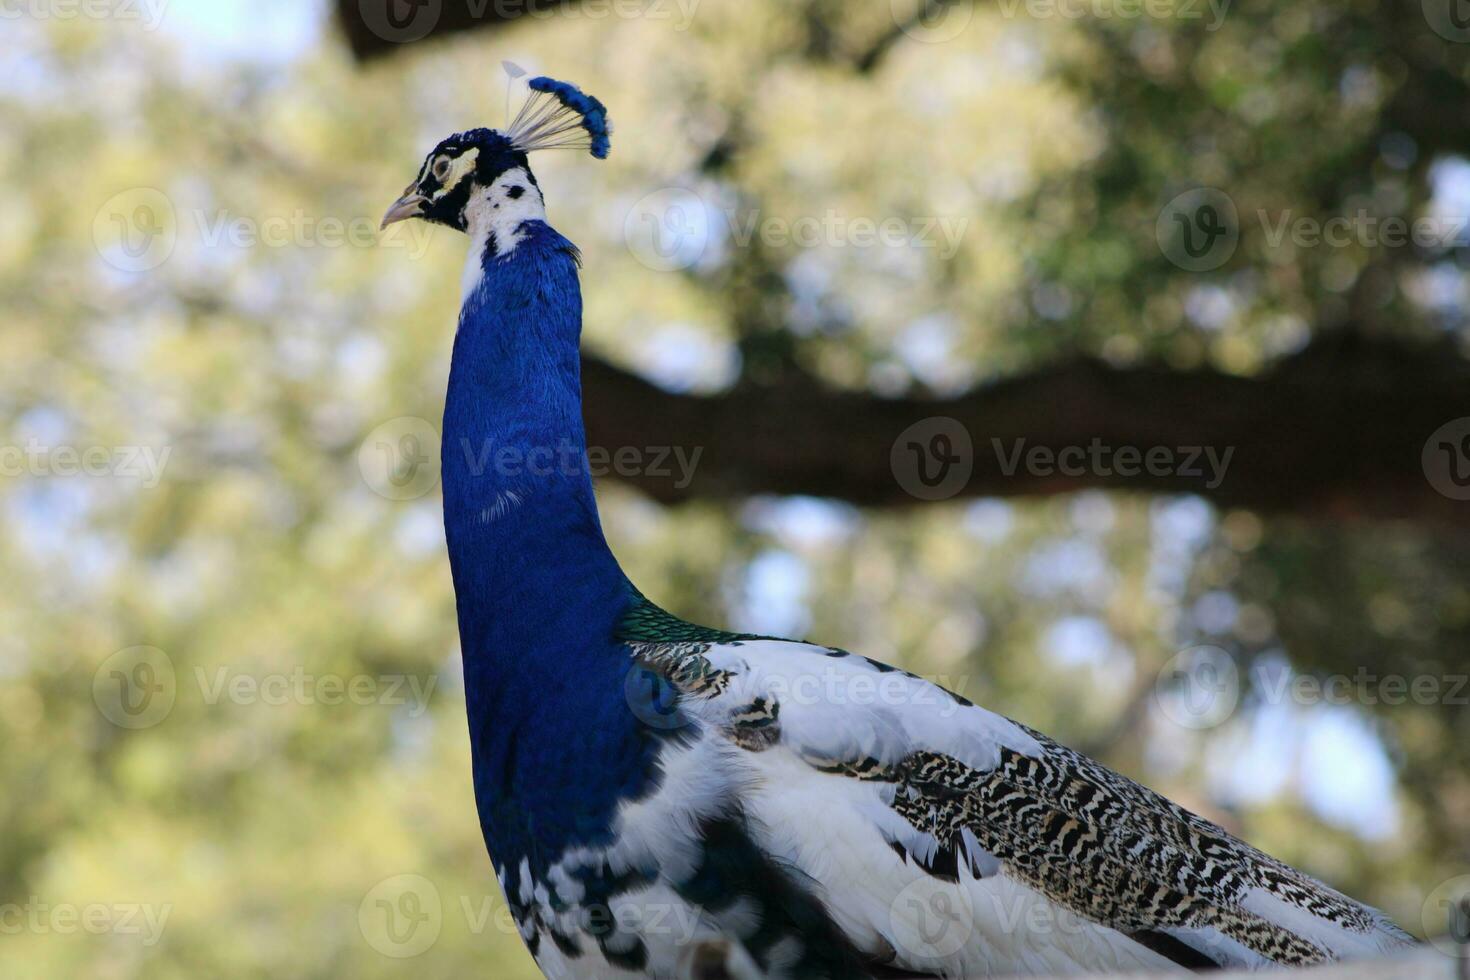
482, 176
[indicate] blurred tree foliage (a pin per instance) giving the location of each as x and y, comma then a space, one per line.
263, 368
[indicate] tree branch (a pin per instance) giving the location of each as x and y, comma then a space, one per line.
1336, 431
868, 61
375, 28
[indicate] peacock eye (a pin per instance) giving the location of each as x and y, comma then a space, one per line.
441, 168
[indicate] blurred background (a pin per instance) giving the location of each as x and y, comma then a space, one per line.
847, 266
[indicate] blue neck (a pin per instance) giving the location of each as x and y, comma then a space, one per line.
539, 593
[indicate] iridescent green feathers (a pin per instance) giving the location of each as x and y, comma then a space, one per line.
647, 624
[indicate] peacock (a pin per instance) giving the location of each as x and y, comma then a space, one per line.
661, 799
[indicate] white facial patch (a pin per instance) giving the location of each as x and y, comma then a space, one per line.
500, 210
458, 167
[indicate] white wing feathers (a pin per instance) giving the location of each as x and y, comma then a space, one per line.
947, 839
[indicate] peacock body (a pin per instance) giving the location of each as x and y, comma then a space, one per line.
664, 800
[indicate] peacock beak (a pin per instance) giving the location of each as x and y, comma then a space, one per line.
410, 205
